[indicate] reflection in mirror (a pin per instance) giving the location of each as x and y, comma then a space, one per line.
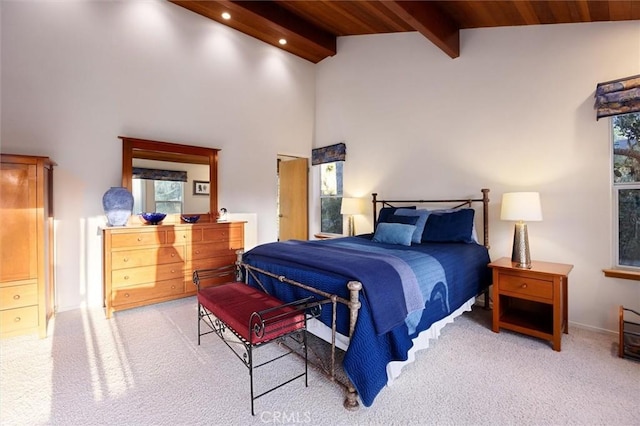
161, 176
167, 187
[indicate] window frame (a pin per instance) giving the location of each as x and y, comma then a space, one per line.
179, 202
616, 187
338, 196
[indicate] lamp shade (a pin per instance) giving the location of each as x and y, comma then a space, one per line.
350, 206
521, 206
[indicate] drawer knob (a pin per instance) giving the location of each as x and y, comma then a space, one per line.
16, 297
524, 285
126, 259
139, 238
126, 277
126, 295
18, 319
173, 287
197, 251
173, 255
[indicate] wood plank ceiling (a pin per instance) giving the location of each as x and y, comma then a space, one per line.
311, 28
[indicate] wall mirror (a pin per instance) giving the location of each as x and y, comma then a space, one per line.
171, 178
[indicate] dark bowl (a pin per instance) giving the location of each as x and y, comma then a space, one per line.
191, 218
153, 218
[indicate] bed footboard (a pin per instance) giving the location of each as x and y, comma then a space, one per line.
323, 298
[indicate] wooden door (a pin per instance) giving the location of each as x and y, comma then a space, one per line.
293, 201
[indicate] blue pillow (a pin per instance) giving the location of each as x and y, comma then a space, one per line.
385, 212
422, 220
394, 233
449, 227
405, 220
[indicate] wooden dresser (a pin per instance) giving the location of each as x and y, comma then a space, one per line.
149, 264
26, 245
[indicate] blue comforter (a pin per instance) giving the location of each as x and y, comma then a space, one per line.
405, 290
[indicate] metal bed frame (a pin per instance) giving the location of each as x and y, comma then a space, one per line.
353, 304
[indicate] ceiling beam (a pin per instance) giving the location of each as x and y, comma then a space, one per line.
269, 22
426, 18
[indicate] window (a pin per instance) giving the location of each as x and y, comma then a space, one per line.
626, 188
331, 197
168, 196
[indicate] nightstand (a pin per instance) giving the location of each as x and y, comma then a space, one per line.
531, 301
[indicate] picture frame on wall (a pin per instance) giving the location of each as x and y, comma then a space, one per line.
200, 187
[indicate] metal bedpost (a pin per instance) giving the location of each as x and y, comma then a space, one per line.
485, 215
239, 254
374, 196
351, 401
485, 226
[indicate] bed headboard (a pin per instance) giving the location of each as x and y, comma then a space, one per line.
452, 203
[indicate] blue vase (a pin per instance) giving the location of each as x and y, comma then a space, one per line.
118, 205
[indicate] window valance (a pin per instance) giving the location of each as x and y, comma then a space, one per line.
156, 174
328, 154
618, 97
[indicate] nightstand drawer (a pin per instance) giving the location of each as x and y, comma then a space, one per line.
525, 286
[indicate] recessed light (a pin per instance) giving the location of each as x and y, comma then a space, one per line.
226, 15
282, 41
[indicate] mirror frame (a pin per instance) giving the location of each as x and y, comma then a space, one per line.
164, 151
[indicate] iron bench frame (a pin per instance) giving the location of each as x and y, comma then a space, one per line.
261, 322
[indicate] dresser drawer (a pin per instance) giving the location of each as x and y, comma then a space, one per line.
13, 320
136, 239
223, 233
145, 274
140, 293
205, 251
146, 257
526, 286
18, 296
212, 262
184, 236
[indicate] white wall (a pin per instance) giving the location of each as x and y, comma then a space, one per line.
513, 112
76, 75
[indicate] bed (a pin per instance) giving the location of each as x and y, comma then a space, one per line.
388, 292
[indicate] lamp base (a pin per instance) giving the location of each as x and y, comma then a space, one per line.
520, 254
352, 226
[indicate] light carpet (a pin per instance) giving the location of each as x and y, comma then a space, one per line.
144, 367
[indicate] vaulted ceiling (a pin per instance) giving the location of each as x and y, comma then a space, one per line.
310, 28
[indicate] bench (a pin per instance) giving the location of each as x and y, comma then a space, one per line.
239, 313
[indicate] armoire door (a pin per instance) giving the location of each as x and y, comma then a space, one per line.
18, 233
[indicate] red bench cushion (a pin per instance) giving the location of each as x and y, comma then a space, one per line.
233, 304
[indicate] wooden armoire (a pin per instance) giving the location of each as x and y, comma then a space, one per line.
26, 245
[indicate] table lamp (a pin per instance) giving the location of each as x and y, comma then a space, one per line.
350, 207
521, 207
